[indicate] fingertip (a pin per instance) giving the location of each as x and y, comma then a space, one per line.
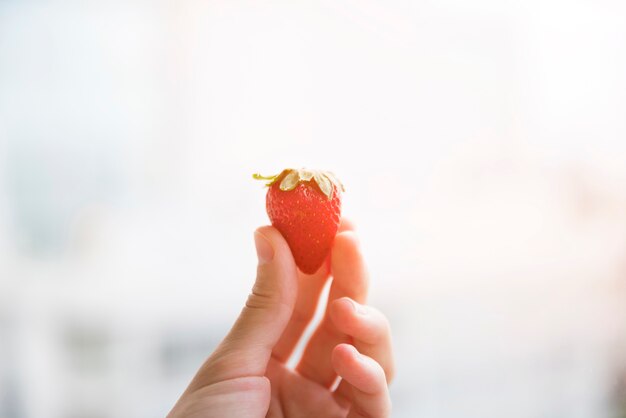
342, 356
363, 372
265, 383
346, 225
264, 248
348, 264
347, 237
281, 250
276, 271
347, 248
341, 310
270, 233
363, 379
343, 303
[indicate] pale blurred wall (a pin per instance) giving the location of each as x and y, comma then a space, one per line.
482, 144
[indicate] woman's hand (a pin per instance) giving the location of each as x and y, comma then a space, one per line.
247, 376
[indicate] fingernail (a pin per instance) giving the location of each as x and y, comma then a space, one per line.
357, 307
264, 249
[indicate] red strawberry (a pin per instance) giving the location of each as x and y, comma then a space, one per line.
305, 206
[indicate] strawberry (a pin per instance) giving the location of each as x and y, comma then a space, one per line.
305, 206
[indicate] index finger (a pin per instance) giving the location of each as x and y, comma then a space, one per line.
350, 278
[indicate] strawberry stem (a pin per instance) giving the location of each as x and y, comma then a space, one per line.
258, 176
270, 179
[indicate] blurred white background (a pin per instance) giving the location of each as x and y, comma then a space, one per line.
482, 144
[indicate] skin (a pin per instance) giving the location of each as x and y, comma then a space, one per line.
247, 376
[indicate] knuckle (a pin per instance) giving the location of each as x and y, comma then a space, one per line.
263, 294
260, 300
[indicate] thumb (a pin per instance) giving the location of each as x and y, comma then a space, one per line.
247, 348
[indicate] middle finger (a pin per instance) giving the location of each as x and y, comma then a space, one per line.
350, 279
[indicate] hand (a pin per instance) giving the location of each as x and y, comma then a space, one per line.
247, 376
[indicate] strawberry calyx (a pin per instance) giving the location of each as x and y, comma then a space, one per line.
290, 178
